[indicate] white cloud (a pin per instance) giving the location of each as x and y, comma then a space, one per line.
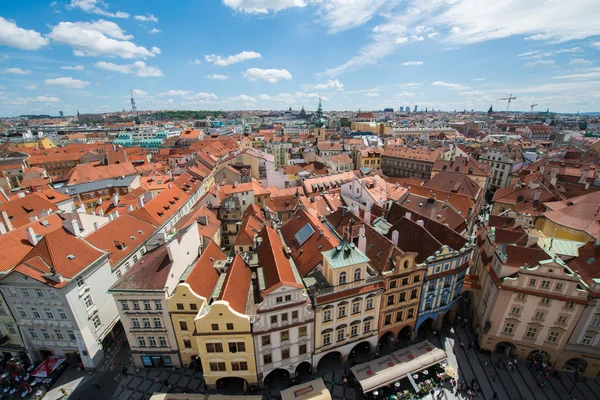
30, 87
535, 54
195, 61
580, 62
38, 99
67, 82
341, 15
138, 92
233, 59
474, 93
269, 75
13, 36
97, 38
155, 50
541, 63
405, 93
146, 18
138, 68
372, 94
292, 98
401, 40
330, 84
242, 98
408, 63
479, 79
71, 68
453, 86
172, 92
262, 6
154, 31
17, 71
97, 7
590, 73
217, 77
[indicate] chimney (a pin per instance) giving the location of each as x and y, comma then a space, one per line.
584, 175
72, 225
33, 218
21, 195
2, 229
537, 194
101, 212
140, 202
116, 214
420, 222
368, 217
115, 200
6, 221
408, 215
344, 211
33, 240
110, 217
130, 208
96, 226
395, 237
45, 213
362, 240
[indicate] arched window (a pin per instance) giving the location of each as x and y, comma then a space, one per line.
342, 278
405, 263
357, 274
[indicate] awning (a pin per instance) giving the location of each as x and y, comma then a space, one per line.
314, 390
47, 367
386, 370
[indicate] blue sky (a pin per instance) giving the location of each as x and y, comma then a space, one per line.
271, 54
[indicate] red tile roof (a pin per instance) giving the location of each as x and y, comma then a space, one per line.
162, 207
276, 267
236, 287
149, 273
204, 276
20, 209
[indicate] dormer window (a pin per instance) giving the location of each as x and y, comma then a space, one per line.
342, 278
357, 273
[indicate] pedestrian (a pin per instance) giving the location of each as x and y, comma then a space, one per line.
485, 363
63, 391
462, 345
458, 320
495, 397
124, 370
96, 385
156, 380
466, 323
473, 382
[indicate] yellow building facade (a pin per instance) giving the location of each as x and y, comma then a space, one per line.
226, 347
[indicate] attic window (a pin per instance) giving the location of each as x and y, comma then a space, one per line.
160, 213
591, 260
44, 223
132, 237
71, 257
176, 198
379, 254
140, 231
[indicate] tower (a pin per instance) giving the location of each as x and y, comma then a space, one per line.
415, 110
133, 106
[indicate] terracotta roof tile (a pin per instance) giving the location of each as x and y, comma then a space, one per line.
276, 267
20, 209
149, 273
204, 276
237, 285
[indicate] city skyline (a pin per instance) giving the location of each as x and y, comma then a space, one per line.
273, 54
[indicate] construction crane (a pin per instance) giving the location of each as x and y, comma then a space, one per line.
533, 105
509, 99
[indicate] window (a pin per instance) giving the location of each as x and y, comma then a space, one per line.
294, 315
411, 313
25, 293
539, 315
119, 274
516, 310
356, 307
22, 312
239, 366
553, 337
388, 320
87, 300
80, 281
214, 347
587, 339
135, 258
267, 359
193, 306
162, 341
340, 335
288, 297
152, 341
266, 340
285, 354
187, 343
183, 325
71, 334
545, 285
273, 319
545, 301
35, 313
147, 305
509, 328
342, 278
302, 349
569, 305
284, 317
12, 292
45, 333
595, 322
96, 322
413, 294
326, 315
237, 347
179, 306
562, 319
136, 305
157, 322
531, 333
399, 316
393, 284
302, 331
390, 300
367, 327
49, 313
521, 296
559, 286
33, 333
341, 311
157, 304
285, 335
214, 327
357, 274
135, 323
369, 304
229, 326
354, 330
39, 293
417, 278
532, 282
124, 305
11, 329
217, 366
402, 297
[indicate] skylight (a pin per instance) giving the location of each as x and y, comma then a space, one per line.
303, 234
